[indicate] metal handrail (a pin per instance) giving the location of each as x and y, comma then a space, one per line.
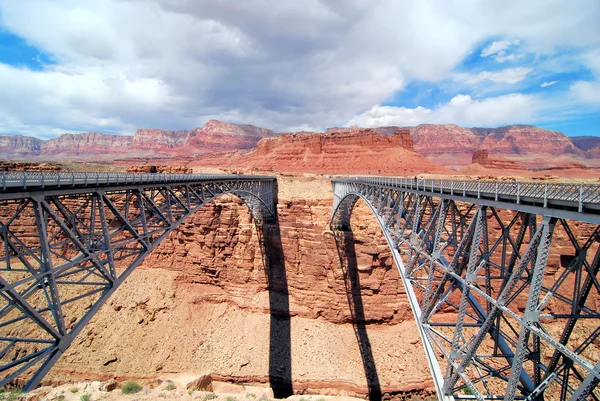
11, 180
578, 193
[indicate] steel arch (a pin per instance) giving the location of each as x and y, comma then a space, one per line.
465, 286
66, 247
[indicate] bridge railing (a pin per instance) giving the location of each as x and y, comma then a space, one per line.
577, 194
9, 180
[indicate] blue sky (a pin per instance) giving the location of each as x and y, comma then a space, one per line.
16, 52
116, 65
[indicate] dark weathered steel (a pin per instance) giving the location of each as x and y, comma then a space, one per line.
68, 241
502, 277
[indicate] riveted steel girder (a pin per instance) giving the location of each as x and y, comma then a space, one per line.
68, 241
503, 280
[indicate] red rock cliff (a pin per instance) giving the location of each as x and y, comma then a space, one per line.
360, 151
88, 143
17, 145
158, 138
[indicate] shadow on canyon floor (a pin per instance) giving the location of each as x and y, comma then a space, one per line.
280, 352
347, 254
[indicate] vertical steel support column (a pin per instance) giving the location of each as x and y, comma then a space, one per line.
470, 277
49, 283
427, 300
531, 314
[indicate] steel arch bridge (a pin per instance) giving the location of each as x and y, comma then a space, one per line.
68, 241
502, 278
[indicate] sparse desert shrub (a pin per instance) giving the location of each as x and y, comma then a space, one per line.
171, 386
73, 390
210, 396
10, 395
131, 388
85, 397
230, 398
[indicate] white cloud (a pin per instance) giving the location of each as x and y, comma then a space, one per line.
592, 61
502, 56
461, 110
497, 47
546, 84
507, 76
586, 92
124, 64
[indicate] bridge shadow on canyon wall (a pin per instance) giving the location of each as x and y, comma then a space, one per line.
280, 348
347, 254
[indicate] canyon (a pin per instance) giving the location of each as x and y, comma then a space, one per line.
200, 303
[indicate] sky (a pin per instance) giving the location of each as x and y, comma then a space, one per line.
114, 66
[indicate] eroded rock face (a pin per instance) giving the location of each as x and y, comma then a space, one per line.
482, 158
17, 145
87, 143
158, 138
218, 247
523, 139
221, 127
215, 135
433, 139
346, 151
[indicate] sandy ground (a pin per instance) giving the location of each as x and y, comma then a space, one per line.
173, 387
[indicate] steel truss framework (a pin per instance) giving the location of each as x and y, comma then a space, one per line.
67, 242
506, 295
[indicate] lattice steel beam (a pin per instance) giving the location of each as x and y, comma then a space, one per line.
70, 240
499, 276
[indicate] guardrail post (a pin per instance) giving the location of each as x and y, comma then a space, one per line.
518, 193
464, 188
545, 195
4, 180
496, 193
478, 189
580, 198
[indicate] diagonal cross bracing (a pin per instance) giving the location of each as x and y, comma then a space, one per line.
499, 277
72, 238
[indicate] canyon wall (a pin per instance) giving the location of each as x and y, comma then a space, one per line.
158, 139
200, 304
506, 141
456, 144
85, 144
361, 151
18, 146
214, 136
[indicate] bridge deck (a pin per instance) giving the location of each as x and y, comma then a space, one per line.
14, 185
570, 201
